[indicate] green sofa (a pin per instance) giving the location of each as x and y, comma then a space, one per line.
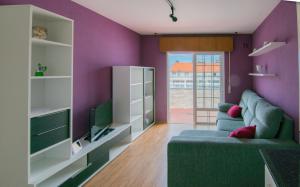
199, 158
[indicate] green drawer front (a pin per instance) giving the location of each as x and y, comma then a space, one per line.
98, 155
49, 122
84, 175
48, 138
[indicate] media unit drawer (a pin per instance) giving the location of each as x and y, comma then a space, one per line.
49, 122
48, 138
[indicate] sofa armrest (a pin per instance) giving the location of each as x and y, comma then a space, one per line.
224, 107
218, 161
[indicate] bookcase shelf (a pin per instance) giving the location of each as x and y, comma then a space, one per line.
134, 97
35, 107
36, 41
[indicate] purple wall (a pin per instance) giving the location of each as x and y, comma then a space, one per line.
99, 43
241, 65
283, 90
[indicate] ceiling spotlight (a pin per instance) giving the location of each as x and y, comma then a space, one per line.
172, 16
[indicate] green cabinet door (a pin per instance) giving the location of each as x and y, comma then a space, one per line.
49, 130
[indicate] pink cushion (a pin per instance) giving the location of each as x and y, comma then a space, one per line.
234, 111
244, 132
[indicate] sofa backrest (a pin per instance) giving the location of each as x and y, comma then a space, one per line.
270, 120
286, 128
248, 103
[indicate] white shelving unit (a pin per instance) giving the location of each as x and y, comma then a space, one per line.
149, 97
130, 83
27, 97
267, 48
262, 75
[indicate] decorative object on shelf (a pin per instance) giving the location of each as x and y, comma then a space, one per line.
40, 70
260, 68
39, 32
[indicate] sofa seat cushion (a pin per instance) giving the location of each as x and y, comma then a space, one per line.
267, 120
229, 125
224, 115
204, 133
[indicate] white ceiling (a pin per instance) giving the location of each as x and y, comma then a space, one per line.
194, 16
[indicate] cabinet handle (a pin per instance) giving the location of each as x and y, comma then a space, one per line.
42, 133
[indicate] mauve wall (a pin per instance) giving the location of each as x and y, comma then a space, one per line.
283, 90
99, 43
241, 65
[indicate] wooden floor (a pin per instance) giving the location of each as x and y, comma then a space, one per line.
143, 163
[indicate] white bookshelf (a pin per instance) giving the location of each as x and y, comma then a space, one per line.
267, 48
26, 96
129, 100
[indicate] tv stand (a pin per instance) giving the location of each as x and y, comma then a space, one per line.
92, 158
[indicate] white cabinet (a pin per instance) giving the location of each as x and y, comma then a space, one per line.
133, 97
269, 181
25, 97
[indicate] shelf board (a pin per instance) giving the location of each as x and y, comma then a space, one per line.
148, 97
267, 48
41, 168
136, 84
49, 148
41, 111
117, 150
62, 176
49, 77
135, 117
48, 43
148, 111
262, 75
135, 135
136, 101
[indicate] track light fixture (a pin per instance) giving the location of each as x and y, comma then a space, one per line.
172, 16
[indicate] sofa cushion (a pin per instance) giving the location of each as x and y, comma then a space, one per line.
204, 133
229, 125
244, 100
267, 120
249, 114
224, 107
244, 132
234, 111
223, 115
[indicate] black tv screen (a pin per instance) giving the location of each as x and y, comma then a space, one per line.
100, 119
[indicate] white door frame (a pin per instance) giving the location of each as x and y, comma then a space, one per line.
194, 78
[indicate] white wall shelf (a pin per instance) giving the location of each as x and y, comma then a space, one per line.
50, 77
267, 48
36, 41
262, 75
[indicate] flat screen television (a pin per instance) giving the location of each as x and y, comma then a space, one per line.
100, 120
